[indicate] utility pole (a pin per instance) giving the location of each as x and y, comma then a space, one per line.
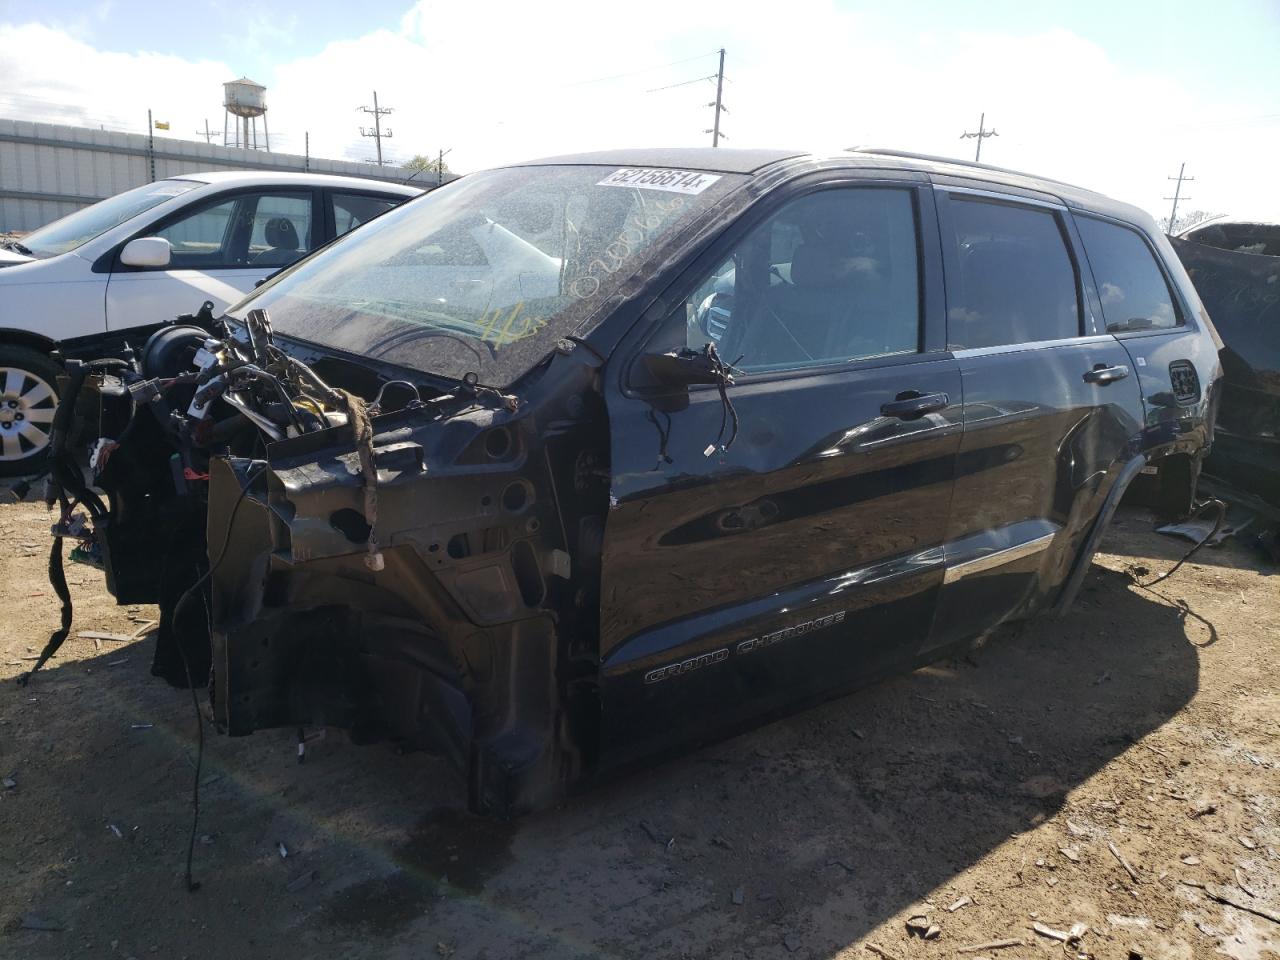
208, 137
306, 156
981, 135
376, 133
1177, 195
151, 146
440, 167
719, 104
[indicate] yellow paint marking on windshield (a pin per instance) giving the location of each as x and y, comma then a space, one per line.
510, 331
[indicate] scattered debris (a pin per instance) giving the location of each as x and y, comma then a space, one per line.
739, 896
962, 902
99, 635
140, 726
444, 949
1191, 861
917, 925
35, 921
1128, 867
655, 836
143, 627
282, 849
990, 945
1071, 853
880, 952
1247, 842
116, 830
836, 862
792, 942
301, 881
1203, 810
1240, 882
1076, 830
9, 783
1070, 937
1223, 896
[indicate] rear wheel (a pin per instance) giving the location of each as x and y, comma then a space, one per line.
28, 396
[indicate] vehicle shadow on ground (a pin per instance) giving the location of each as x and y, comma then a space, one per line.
823, 825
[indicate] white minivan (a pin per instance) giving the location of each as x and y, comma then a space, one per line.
136, 260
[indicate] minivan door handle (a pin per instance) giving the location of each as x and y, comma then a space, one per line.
1102, 374
911, 404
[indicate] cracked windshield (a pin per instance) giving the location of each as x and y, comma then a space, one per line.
487, 274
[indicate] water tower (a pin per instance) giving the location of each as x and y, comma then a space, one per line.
246, 101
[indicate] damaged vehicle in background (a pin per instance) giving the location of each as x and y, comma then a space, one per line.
573, 463
1235, 266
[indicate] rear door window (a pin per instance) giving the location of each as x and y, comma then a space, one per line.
352, 209
1011, 278
1133, 289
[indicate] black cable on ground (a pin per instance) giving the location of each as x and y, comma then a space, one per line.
193, 885
1221, 510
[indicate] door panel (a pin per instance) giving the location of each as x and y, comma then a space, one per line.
1041, 448
806, 557
1052, 411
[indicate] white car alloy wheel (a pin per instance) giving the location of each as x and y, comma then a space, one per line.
27, 402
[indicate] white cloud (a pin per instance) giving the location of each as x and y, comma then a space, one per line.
500, 81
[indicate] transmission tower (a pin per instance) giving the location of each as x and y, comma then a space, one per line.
377, 132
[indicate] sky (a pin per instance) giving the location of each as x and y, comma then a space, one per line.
1110, 94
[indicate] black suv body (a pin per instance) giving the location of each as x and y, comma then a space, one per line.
928, 385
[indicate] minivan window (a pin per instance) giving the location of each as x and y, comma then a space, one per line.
1016, 281
1133, 290
833, 276
77, 229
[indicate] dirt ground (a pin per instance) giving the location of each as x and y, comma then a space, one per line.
1143, 726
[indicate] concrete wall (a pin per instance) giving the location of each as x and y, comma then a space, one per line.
48, 171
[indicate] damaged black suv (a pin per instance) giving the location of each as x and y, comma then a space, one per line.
574, 462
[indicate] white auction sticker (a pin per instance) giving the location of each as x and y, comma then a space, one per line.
673, 181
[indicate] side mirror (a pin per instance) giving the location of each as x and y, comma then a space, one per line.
146, 252
679, 368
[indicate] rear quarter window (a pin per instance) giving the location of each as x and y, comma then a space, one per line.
1132, 287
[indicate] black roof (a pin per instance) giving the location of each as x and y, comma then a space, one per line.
736, 160
713, 159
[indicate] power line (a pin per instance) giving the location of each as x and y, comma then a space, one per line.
981, 135
378, 113
1177, 194
682, 83
633, 73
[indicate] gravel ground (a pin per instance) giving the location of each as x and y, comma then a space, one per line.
1106, 769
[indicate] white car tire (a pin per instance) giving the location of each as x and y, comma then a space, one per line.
28, 397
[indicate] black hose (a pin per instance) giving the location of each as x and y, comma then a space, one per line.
1220, 509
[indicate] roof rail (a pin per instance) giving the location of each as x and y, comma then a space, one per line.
934, 158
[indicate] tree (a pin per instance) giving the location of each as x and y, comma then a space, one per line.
1186, 221
422, 163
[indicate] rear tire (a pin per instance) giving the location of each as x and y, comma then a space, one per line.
28, 396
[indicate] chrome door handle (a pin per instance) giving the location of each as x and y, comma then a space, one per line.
1102, 374
910, 405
